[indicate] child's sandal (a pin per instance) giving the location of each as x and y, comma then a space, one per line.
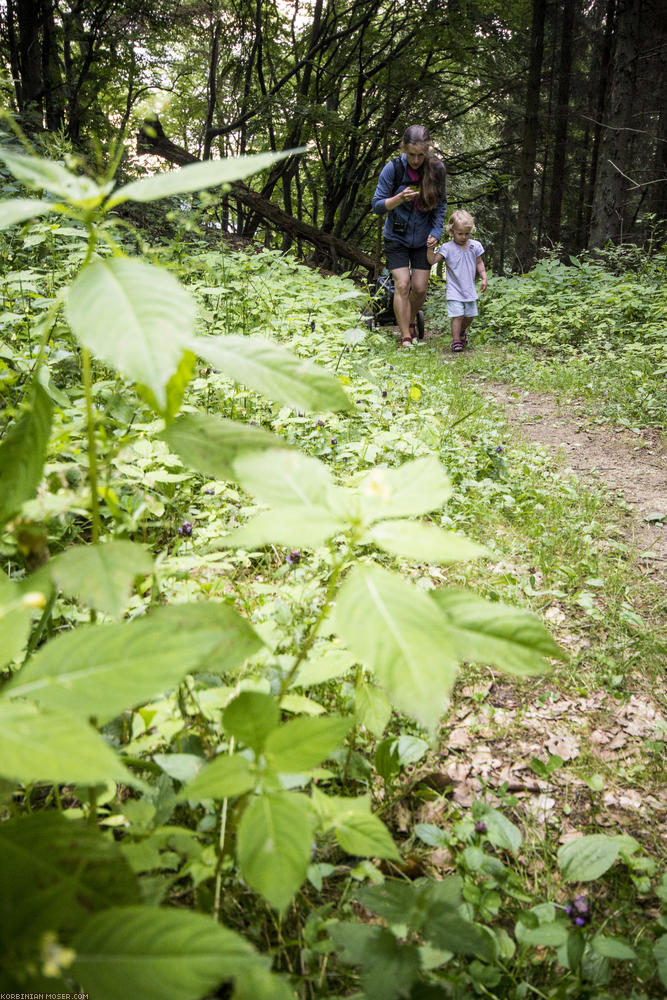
405, 342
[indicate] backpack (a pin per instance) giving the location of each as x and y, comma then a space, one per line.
399, 172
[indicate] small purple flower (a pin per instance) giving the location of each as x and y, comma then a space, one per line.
579, 911
185, 529
210, 492
391, 368
384, 393
499, 449
293, 557
334, 440
320, 423
480, 827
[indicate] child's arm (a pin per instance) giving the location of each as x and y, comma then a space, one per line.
432, 256
481, 271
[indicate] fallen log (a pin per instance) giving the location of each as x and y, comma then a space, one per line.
151, 139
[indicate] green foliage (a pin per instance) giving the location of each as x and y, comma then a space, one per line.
193, 723
605, 329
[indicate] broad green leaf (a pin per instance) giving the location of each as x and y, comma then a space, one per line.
250, 717
44, 745
422, 542
413, 489
432, 835
613, 947
588, 857
39, 173
21, 209
299, 704
660, 956
272, 371
197, 176
180, 766
101, 670
500, 830
364, 835
101, 576
260, 984
134, 316
445, 928
55, 855
549, 935
224, 777
396, 631
285, 526
389, 967
275, 840
235, 638
355, 335
14, 620
324, 664
302, 744
176, 386
172, 954
288, 479
22, 453
357, 829
210, 444
489, 632
400, 902
373, 708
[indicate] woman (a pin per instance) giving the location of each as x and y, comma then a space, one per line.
411, 191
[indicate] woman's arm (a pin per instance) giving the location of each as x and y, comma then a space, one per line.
384, 200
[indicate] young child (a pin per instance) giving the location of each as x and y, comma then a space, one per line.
463, 259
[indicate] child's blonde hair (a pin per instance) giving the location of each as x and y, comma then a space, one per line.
462, 219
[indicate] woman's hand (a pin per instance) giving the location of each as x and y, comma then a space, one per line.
408, 194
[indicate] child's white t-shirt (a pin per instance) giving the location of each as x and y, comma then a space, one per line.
461, 266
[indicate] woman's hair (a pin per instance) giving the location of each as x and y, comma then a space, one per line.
434, 175
462, 219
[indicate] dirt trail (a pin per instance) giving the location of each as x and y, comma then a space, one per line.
630, 465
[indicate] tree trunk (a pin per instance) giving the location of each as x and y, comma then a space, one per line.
604, 71
560, 137
30, 62
524, 247
611, 203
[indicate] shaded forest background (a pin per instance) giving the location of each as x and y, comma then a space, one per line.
550, 116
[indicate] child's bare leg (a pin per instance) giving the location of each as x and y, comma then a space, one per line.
457, 327
466, 322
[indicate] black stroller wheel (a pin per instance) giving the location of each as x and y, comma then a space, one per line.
420, 325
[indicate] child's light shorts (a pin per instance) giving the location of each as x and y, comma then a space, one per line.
456, 308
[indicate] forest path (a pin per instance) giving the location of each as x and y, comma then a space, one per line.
634, 466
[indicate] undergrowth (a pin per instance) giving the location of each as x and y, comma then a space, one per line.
583, 332
237, 587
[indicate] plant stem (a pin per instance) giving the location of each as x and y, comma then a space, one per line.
310, 637
92, 453
221, 847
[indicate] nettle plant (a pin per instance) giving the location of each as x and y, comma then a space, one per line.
105, 837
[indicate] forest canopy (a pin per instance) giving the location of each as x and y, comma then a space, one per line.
549, 116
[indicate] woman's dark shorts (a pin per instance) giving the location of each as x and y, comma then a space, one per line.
401, 256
